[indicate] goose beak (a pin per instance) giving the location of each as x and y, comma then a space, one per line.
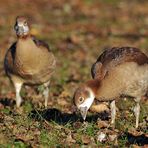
83, 111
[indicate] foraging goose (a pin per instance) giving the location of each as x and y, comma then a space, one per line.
117, 72
28, 61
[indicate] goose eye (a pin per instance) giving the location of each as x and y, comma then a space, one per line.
25, 23
81, 99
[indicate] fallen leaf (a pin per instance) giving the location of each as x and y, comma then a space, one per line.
102, 124
99, 107
135, 146
1, 106
112, 137
64, 94
134, 132
70, 139
86, 139
76, 39
62, 102
145, 146
77, 124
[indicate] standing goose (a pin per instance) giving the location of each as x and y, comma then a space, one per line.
28, 61
117, 72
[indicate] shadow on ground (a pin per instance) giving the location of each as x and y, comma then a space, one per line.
56, 115
7, 102
141, 140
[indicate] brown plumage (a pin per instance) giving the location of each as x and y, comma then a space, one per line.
28, 61
115, 56
117, 72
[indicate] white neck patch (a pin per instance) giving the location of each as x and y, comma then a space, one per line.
88, 102
25, 28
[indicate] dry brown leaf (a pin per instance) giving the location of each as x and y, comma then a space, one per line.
99, 108
75, 39
145, 146
86, 139
77, 125
112, 137
1, 106
62, 102
1, 117
81, 54
64, 94
102, 124
134, 132
70, 139
135, 146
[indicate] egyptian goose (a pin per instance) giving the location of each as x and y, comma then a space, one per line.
28, 61
117, 72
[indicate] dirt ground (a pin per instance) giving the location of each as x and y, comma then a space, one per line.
77, 32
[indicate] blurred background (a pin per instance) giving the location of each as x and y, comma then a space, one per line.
77, 31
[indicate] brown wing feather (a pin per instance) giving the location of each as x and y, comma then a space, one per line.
9, 58
40, 43
112, 57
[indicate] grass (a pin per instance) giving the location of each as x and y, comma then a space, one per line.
77, 32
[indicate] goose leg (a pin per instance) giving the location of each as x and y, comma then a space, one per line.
113, 111
18, 87
137, 111
46, 92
